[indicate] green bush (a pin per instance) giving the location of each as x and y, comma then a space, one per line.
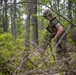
10, 50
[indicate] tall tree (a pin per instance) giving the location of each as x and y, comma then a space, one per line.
0, 2
5, 19
0, 18
54, 5
75, 8
0, 11
34, 22
14, 20
70, 12
58, 5
32, 7
27, 25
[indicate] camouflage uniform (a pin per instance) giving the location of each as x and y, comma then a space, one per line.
53, 24
52, 28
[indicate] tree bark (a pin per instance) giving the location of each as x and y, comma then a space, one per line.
0, 18
11, 18
14, 20
5, 19
27, 25
34, 23
58, 4
54, 4
70, 12
75, 8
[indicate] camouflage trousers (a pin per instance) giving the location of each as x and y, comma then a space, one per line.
62, 51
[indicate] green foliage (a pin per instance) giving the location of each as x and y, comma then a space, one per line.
45, 1
1, 30
74, 1
10, 50
69, 38
20, 25
1, 73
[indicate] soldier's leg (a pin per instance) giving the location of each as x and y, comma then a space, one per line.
59, 54
65, 51
66, 56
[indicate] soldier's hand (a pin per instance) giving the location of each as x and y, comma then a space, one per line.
55, 39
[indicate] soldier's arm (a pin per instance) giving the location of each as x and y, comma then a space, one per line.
60, 30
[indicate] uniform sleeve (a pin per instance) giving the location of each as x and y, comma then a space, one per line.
56, 23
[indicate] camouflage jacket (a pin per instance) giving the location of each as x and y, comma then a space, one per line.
53, 24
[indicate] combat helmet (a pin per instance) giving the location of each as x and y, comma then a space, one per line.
47, 12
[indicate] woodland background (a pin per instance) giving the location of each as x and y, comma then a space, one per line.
23, 36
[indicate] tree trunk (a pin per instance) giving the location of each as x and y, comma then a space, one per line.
75, 9
1, 2
14, 20
70, 12
27, 26
5, 19
74, 31
58, 7
11, 18
0, 17
34, 23
54, 6
64, 4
